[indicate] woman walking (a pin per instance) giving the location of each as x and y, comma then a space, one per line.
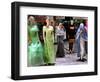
60, 42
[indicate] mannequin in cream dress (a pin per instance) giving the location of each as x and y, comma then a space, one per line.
48, 35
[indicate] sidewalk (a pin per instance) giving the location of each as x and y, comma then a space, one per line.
69, 59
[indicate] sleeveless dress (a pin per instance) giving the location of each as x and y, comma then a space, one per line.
35, 49
49, 55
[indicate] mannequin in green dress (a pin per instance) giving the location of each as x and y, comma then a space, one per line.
48, 35
35, 49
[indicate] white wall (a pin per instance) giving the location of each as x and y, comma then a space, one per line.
5, 40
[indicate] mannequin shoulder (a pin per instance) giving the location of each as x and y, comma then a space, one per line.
44, 27
51, 27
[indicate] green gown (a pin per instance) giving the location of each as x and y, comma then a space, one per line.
35, 49
49, 55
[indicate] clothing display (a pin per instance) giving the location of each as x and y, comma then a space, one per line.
35, 49
48, 34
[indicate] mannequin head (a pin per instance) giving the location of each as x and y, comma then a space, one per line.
31, 20
48, 21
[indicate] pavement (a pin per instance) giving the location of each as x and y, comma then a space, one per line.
69, 59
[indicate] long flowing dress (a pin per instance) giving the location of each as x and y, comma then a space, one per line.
35, 49
60, 38
49, 55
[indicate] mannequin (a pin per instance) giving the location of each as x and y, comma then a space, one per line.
35, 49
48, 36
